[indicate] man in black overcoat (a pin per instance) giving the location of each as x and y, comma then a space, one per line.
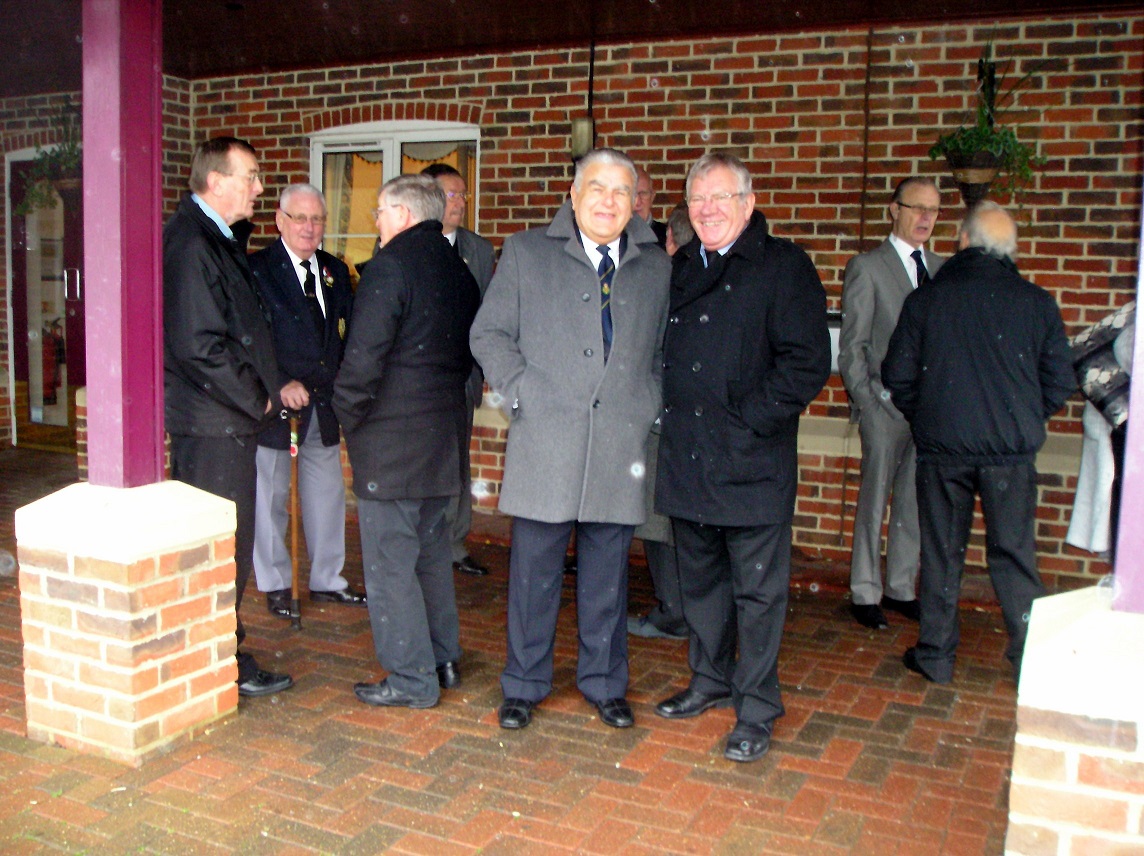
746, 350
220, 376
400, 397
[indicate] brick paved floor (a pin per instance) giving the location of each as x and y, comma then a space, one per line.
868, 759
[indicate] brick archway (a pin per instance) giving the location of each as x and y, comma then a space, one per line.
389, 111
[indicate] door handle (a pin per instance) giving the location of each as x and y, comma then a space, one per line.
69, 274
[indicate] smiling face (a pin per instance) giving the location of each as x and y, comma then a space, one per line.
303, 237
718, 222
915, 213
603, 202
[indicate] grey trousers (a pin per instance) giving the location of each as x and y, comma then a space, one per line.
460, 511
409, 585
322, 501
888, 468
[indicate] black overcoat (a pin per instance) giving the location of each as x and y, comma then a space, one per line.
218, 356
400, 391
746, 351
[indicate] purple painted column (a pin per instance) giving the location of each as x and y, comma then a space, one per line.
1129, 570
122, 134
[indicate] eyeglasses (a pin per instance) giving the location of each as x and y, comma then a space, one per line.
922, 209
457, 194
698, 199
250, 177
374, 212
302, 219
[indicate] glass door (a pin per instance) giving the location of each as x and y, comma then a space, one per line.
49, 347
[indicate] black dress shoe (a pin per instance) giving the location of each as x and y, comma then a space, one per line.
278, 603
469, 565
910, 661
448, 675
615, 712
382, 694
347, 596
690, 703
264, 683
747, 742
515, 713
908, 608
869, 615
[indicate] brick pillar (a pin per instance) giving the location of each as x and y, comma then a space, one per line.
1078, 765
127, 609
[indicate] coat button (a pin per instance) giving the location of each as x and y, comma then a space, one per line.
585, 297
595, 404
674, 319
696, 366
699, 410
587, 352
703, 319
695, 456
667, 408
726, 286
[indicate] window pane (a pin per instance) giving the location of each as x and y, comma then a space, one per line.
350, 181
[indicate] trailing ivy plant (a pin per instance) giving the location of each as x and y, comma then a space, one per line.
1015, 160
62, 161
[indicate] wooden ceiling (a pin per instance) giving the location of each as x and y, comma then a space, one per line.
41, 39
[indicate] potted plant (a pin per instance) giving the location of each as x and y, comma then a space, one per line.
58, 168
977, 154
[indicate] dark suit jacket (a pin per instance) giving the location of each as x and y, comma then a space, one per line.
660, 230
219, 367
400, 393
477, 254
302, 356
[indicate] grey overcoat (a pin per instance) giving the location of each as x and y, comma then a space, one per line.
577, 441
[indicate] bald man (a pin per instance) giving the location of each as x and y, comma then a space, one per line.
977, 364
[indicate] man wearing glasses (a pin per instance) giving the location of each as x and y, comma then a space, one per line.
746, 351
221, 380
875, 286
642, 206
307, 292
477, 254
400, 396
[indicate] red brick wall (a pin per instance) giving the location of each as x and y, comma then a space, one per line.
827, 122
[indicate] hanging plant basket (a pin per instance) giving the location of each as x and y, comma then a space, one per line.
974, 174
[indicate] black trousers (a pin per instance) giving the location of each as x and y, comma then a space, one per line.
736, 582
535, 579
945, 510
225, 466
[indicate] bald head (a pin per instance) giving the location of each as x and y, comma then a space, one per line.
990, 227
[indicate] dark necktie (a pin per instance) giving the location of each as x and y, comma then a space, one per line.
310, 289
605, 272
923, 274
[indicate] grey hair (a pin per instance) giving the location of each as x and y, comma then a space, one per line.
611, 157
300, 189
680, 225
979, 232
714, 160
420, 194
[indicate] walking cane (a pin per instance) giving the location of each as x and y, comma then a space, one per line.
295, 603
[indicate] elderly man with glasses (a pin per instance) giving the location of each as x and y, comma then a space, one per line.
746, 350
307, 292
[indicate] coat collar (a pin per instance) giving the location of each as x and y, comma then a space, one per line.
563, 227
750, 245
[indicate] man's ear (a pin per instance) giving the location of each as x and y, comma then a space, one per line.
964, 241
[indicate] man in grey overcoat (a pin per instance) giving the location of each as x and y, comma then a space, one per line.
569, 337
874, 287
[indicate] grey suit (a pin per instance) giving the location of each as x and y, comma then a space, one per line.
477, 254
874, 288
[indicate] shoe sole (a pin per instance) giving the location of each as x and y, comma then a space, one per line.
719, 702
416, 704
264, 692
745, 759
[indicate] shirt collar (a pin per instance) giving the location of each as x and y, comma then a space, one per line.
210, 212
